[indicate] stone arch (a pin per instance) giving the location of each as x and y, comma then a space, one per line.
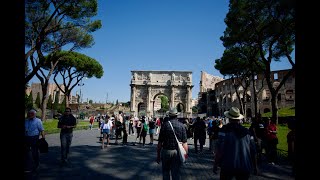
147, 85
266, 110
180, 107
155, 107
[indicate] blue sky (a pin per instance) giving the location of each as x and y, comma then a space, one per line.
155, 35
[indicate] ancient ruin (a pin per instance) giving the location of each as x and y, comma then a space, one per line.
147, 86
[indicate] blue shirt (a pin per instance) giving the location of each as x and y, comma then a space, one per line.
33, 127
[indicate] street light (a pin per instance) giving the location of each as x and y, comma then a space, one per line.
80, 96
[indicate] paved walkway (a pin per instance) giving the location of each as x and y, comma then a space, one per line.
117, 162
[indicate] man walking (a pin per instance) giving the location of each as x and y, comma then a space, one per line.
66, 123
235, 148
33, 129
167, 150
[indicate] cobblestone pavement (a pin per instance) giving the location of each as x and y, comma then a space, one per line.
89, 161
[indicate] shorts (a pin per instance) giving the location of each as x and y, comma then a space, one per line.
106, 131
151, 131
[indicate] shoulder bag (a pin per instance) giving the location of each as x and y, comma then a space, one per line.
181, 151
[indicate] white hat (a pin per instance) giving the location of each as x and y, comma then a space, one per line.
173, 112
233, 113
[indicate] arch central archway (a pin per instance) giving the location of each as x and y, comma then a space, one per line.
147, 85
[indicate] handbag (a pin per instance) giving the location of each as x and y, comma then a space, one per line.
43, 145
181, 151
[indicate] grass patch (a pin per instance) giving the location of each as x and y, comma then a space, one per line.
50, 126
283, 112
282, 135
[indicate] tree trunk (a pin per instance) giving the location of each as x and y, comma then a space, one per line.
274, 92
274, 106
67, 97
255, 98
239, 98
44, 102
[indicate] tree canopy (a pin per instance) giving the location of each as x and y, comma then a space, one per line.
73, 67
53, 25
261, 32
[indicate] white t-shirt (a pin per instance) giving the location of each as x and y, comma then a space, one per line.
107, 125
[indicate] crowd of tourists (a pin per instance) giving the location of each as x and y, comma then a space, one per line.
237, 150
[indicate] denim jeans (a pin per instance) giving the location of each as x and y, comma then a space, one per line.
65, 139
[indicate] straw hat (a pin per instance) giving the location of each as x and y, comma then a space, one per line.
233, 113
173, 112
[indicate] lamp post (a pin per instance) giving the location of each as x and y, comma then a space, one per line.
80, 97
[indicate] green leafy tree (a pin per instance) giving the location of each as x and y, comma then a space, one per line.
90, 101
38, 101
56, 100
268, 26
164, 103
237, 62
73, 67
62, 106
195, 109
29, 101
54, 25
50, 104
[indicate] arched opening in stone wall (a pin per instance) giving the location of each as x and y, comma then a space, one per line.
266, 110
160, 105
180, 107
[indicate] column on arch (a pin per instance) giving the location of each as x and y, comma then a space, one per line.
148, 101
188, 108
133, 99
172, 97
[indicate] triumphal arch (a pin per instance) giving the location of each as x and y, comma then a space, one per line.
148, 86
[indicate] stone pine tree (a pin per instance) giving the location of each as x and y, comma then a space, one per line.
236, 62
268, 26
54, 25
73, 67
